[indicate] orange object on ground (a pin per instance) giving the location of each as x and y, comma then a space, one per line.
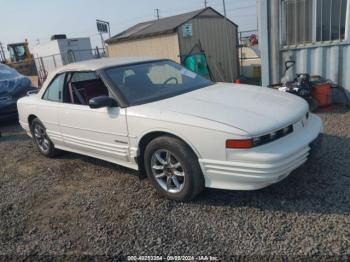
237, 81
323, 94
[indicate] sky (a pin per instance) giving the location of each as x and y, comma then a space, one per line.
37, 20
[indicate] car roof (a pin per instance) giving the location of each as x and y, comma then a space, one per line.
97, 64
93, 65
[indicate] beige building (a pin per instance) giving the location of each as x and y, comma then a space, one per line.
177, 36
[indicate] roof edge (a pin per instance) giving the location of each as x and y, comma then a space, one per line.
125, 39
200, 11
205, 9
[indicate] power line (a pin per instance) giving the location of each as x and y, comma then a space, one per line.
246, 2
245, 16
240, 8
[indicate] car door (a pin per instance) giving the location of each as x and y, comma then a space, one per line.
47, 109
99, 132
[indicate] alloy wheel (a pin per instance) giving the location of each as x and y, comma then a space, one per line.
168, 171
41, 138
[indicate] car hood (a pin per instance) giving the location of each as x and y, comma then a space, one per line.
256, 110
12, 84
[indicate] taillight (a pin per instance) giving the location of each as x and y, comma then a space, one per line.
238, 143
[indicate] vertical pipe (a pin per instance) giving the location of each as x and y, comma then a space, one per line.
321, 27
241, 52
304, 27
314, 21
330, 21
339, 21
282, 24
264, 42
286, 7
347, 22
296, 18
274, 41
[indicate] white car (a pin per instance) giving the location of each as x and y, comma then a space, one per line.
182, 130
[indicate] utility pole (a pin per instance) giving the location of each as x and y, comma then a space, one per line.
157, 11
224, 4
205, 3
103, 27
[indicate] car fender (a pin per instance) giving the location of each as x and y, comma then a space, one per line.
170, 132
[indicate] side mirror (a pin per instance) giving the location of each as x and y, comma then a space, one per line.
102, 101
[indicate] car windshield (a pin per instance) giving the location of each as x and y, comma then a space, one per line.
152, 81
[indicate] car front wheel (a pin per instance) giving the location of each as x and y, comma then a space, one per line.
173, 168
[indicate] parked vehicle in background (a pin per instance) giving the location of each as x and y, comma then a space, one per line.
13, 86
184, 131
20, 58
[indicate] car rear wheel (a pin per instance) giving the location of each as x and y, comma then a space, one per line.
41, 139
173, 168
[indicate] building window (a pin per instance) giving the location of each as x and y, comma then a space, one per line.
308, 21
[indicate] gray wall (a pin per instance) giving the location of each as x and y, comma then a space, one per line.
329, 60
219, 39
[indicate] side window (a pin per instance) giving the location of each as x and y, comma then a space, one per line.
83, 76
55, 90
83, 86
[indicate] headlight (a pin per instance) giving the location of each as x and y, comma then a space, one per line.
260, 140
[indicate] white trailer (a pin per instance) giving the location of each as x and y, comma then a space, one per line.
61, 51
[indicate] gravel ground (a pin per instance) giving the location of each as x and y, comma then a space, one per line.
75, 205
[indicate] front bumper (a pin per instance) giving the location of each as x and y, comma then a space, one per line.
264, 165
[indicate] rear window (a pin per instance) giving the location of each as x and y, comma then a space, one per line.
83, 76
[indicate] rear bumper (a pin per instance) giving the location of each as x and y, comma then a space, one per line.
264, 165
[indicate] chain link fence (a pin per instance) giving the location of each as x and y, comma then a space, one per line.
46, 64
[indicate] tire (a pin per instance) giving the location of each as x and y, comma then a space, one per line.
42, 141
173, 169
